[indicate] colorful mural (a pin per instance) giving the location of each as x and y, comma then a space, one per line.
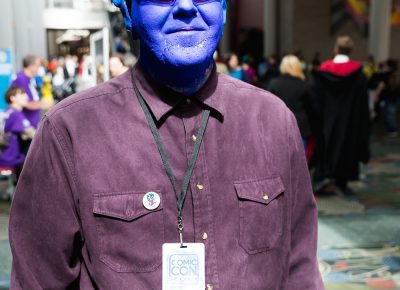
396, 13
358, 11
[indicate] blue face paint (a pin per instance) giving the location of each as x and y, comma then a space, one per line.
177, 40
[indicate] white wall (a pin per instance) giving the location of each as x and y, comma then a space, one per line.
6, 26
82, 19
251, 14
29, 32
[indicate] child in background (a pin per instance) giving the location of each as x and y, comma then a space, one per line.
17, 128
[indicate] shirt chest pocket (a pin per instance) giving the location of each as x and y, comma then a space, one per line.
261, 213
130, 236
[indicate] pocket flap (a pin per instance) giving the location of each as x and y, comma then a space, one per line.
122, 205
262, 191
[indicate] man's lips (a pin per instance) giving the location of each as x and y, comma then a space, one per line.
184, 29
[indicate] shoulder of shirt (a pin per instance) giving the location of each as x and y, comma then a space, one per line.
14, 112
97, 93
244, 94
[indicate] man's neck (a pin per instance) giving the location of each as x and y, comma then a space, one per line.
186, 80
16, 107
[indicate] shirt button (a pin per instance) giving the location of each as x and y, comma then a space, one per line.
194, 138
204, 236
188, 101
200, 186
210, 287
265, 196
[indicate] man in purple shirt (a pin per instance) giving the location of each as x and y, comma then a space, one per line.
101, 201
25, 80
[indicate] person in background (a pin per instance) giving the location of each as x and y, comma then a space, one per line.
52, 66
58, 80
26, 80
390, 96
70, 71
117, 65
248, 69
220, 64
47, 92
235, 68
315, 62
268, 70
85, 79
17, 127
341, 102
291, 87
371, 72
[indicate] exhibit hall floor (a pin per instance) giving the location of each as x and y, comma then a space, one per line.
359, 236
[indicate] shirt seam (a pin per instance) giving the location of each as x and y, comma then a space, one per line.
55, 112
70, 169
244, 86
290, 198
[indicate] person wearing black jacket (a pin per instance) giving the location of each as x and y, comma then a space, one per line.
341, 104
294, 91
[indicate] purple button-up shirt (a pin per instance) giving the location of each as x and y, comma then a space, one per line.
78, 220
23, 81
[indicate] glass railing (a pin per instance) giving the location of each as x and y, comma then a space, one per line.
79, 4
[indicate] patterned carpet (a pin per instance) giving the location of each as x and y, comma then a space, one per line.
5, 253
359, 238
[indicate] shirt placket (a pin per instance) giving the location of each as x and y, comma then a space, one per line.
204, 228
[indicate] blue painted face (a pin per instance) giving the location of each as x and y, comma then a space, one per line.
182, 33
177, 38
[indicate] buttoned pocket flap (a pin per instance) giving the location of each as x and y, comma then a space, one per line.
263, 191
126, 206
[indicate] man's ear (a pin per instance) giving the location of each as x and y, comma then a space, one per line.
121, 4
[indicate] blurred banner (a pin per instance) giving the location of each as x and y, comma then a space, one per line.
358, 11
396, 13
5, 74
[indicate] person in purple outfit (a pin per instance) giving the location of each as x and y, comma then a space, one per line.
26, 80
169, 176
16, 128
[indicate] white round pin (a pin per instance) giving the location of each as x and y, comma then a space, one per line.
151, 200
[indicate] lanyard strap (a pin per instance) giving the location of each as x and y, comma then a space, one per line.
182, 196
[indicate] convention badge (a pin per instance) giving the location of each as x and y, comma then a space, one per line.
183, 268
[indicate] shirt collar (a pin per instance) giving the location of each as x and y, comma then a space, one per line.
162, 100
341, 58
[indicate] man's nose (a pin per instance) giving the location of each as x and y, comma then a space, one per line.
185, 8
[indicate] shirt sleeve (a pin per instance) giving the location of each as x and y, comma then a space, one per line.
44, 225
15, 123
303, 265
15, 83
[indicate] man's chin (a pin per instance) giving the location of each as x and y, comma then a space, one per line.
188, 57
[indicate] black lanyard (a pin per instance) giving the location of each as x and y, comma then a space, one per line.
199, 137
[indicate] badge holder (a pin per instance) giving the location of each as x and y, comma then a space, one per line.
183, 264
183, 268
